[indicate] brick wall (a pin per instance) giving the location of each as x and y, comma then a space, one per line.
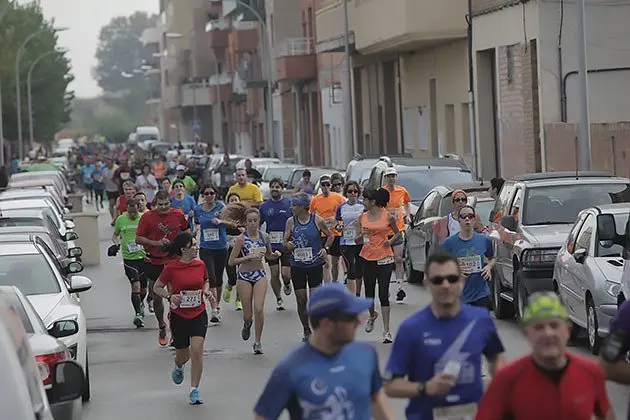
610, 147
488, 6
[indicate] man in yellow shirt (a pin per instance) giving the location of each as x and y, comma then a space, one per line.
248, 192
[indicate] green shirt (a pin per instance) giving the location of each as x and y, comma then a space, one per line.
126, 228
189, 183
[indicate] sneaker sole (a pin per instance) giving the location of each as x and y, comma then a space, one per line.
246, 333
138, 323
214, 320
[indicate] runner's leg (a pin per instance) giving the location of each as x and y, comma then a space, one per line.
299, 280
219, 257
399, 250
259, 292
274, 267
384, 275
134, 275
207, 257
246, 293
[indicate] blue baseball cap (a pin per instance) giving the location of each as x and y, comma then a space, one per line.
335, 298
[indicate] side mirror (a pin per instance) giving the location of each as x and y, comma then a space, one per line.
70, 236
80, 284
580, 255
67, 382
64, 328
69, 224
606, 227
75, 252
74, 267
509, 222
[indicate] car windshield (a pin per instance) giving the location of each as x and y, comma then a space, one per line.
561, 204
14, 302
419, 182
614, 248
30, 273
315, 174
280, 172
21, 221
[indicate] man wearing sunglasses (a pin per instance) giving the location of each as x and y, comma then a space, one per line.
475, 255
436, 358
331, 375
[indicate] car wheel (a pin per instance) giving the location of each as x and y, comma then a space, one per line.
412, 275
87, 392
502, 308
520, 295
592, 326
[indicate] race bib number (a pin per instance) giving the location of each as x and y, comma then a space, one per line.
134, 247
349, 234
276, 237
258, 251
211, 235
455, 412
124, 176
231, 241
385, 261
470, 264
303, 254
190, 299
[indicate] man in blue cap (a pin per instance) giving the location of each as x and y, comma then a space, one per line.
330, 375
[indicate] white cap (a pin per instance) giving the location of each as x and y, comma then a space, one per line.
180, 168
390, 171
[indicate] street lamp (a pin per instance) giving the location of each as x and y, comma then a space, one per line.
30, 93
18, 57
2, 15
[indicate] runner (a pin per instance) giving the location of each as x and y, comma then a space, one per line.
550, 383
180, 175
475, 255
226, 172
147, 183
233, 231
98, 184
435, 360
142, 201
213, 244
248, 192
156, 230
373, 229
165, 185
449, 225
159, 168
187, 281
129, 190
274, 213
348, 215
331, 376
181, 200
86, 171
123, 174
303, 238
305, 185
337, 182
615, 348
325, 205
398, 206
133, 257
111, 187
251, 280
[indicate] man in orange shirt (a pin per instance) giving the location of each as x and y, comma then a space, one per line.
398, 206
325, 206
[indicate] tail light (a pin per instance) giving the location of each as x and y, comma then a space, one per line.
46, 363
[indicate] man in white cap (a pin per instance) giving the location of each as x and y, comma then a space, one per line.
189, 183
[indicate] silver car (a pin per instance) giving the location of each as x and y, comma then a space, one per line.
589, 267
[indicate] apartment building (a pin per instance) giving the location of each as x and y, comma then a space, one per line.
527, 87
409, 76
150, 72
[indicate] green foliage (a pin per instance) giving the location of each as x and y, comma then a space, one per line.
50, 78
96, 116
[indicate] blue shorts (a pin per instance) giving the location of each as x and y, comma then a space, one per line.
251, 276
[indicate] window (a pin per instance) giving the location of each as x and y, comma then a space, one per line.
516, 203
30, 272
573, 234
509, 56
432, 206
583, 240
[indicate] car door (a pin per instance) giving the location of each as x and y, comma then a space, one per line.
413, 235
563, 275
505, 245
579, 282
420, 233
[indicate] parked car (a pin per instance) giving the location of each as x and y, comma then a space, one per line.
589, 267
360, 167
282, 171
65, 251
34, 269
316, 173
256, 162
57, 176
47, 348
535, 216
420, 238
62, 223
17, 194
35, 217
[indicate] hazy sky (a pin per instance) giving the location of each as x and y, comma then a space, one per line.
84, 18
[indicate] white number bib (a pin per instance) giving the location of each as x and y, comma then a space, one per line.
258, 251
134, 247
385, 261
211, 235
190, 298
303, 254
455, 412
276, 237
349, 234
470, 264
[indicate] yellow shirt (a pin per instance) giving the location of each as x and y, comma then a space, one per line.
250, 193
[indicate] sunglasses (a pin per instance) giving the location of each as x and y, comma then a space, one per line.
325, 184
352, 191
460, 200
438, 280
209, 193
469, 216
337, 185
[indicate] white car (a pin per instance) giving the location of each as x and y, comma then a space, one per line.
52, 290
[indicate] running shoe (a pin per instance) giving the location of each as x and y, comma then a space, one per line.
387, 337
369, 324
216, 316
162, 338
194, 397
238, 305
227, 295
137, 321
142, 310
150, 303
400, 295
287, 289
279, 304
177, 375
247, 330
258, 348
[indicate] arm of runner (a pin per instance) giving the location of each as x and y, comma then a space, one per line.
270, 254
184, 226
616, 346
494, 404
258, 198
398, 366
603, 409
236, 251
394, 227
494, 350
381, 410
406, 203
323, 227
116, 235
489, 254
275, 396
159, 289
288, 229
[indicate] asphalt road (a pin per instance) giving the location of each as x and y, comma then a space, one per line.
130, 373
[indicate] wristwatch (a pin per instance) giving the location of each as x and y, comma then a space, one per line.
421, 389
327, 248
169, 297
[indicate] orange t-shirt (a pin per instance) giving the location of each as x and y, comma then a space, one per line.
398, 198
326, 208
374, 248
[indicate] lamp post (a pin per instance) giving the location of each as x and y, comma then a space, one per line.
2, 15
30, 93
18, 57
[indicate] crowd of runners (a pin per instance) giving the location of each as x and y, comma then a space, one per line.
336, 252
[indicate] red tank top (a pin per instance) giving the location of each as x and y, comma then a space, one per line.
122, 204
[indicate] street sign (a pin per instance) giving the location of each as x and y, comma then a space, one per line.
196, 126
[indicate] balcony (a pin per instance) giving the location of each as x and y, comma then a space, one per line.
379, 26
296, 60
218, 33
250, 72
244, 38
221, 87
242, 13
196, 94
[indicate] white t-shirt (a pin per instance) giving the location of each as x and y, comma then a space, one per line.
145, 184
453, 225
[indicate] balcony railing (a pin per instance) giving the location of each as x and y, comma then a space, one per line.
217, 25
243, 26
295, 47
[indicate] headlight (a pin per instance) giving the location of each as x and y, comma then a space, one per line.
612, 288
534, 257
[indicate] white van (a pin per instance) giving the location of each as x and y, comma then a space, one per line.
147, 133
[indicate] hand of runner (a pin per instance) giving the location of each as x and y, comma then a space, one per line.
164, 242
290, 246
487, 272
440, 384
216, 221
210, 296
176, 300
277, 254
322, 253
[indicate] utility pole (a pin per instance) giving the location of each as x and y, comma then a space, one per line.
2, 15
347, 89
585, 119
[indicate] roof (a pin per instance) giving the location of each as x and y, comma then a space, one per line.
413, 168
22, 213
614, 208
33, 203
470, 186
25, 192
18, 183
428, 162
18, 248
35, 174
26, 231
542, 176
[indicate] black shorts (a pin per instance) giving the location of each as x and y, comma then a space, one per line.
215, 260
152, 272
134, 269
183, 329
112, 195
353, 260
303, 276
284, 260
334, 250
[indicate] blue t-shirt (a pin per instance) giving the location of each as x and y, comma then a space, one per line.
424, 345
275, 214
186, 204
87, 171
349, 215
98, 181
313, 385
212, 236
472, 255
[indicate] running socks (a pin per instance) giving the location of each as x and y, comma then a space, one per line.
136, 301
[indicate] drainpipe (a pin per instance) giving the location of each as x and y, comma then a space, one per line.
471, 92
